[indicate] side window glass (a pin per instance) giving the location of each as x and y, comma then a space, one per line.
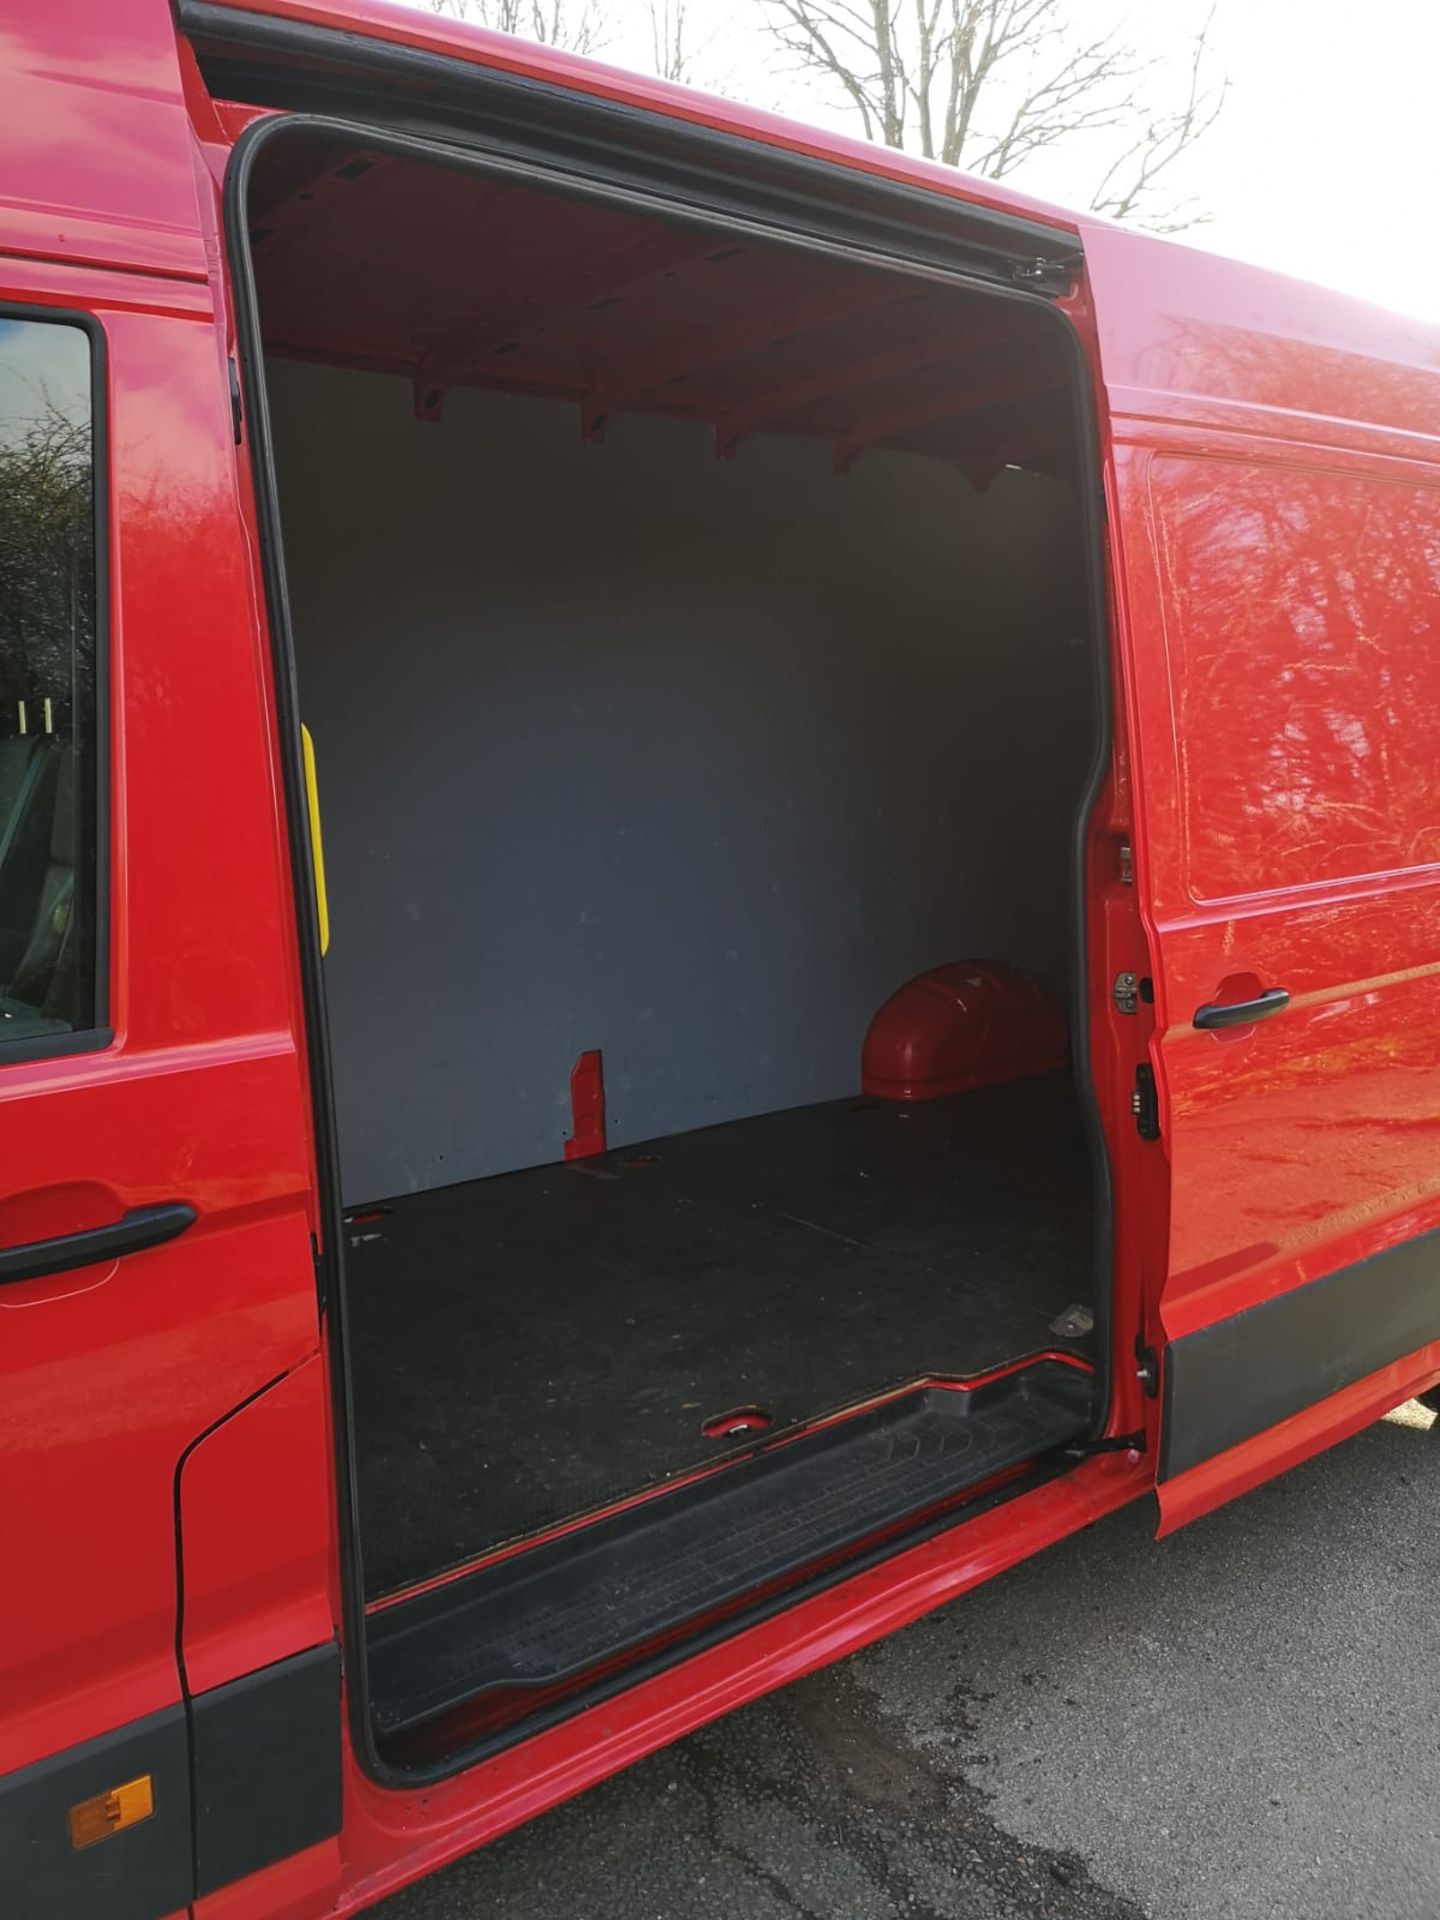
48, 731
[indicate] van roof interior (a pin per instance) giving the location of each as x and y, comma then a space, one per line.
563, 297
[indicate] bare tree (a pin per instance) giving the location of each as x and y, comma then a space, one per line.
591, 26
578, 26
1127, 188
670, 51
989, 84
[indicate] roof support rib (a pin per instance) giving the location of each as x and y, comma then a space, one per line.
911, 356
1023, 386
310, 194
1040, 451
555, 289
818, 307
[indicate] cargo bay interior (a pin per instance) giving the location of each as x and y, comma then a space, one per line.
695, 639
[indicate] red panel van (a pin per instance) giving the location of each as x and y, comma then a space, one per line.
719, 902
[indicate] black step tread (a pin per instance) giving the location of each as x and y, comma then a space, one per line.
560, 1608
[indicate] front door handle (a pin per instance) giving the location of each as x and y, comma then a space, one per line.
1241, 1013
140, 1227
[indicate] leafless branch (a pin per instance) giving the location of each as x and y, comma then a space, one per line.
669, 46
1127, 188
991, 84
578, 26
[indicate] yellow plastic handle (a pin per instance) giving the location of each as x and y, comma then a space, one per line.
317, 845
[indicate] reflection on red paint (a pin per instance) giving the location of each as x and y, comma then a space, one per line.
1302, 627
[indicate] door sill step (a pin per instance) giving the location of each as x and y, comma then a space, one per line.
582, 1601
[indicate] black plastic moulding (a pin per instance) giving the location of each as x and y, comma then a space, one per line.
497, 117
296, 65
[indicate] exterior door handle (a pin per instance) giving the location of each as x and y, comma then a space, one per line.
140, 1227
1241, 1013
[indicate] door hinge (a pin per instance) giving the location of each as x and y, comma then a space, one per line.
1052, 276
1145, 1102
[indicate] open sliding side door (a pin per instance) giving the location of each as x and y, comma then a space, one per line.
1280, 640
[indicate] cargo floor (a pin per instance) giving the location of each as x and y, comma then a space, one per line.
532, 1346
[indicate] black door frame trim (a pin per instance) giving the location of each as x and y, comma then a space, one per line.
300, 67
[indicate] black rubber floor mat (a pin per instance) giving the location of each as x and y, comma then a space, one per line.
534, 1346
583, 1599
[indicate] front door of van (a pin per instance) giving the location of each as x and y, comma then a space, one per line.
1281, 632
155, 1257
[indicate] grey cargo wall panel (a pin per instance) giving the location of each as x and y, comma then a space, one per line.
627, 747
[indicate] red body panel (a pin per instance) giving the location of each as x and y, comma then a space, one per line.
1284, 1151
257, 1573
1278, 497
306, 1884
99, 165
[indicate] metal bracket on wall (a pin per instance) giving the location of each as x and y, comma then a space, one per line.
587, 1106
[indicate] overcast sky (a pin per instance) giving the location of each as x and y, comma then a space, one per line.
1324, 163
1326, 159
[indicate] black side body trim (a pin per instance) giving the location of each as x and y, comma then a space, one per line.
266, 1766
138, 1874
1230, 1381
